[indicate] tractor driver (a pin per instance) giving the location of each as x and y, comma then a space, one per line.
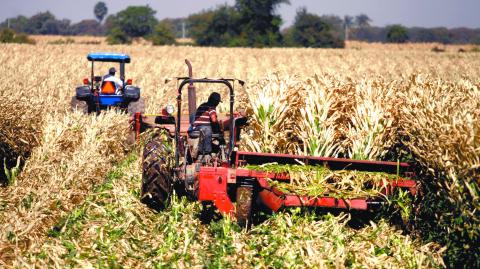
111, 77
206, 122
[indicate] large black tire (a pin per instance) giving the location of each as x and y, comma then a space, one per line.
79, 105
157, 178
136, 106
244, 206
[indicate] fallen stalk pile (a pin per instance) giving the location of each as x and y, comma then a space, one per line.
321, 181
111, 228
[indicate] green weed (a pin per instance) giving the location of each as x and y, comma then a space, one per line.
13, 172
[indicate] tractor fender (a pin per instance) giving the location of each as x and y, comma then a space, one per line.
132, 92
83, 92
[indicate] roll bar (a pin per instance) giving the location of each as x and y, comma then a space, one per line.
190, 81
122, 72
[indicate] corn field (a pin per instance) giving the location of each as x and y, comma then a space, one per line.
75, 200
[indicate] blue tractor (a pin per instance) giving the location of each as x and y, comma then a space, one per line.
99, 93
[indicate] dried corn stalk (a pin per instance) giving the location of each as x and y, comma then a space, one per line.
272, 115
316, 125
370, 126
442, 123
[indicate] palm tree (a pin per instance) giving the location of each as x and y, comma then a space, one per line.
100, 10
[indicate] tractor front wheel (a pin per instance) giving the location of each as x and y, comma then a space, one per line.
157, 178
79, 105
244, 205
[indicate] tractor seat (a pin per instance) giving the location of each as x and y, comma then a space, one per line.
193, 134
196, 134
108, 87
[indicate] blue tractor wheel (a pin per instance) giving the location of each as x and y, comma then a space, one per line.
79, 105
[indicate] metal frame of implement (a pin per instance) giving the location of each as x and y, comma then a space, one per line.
214, 181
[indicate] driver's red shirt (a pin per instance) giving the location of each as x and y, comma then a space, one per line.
205, 115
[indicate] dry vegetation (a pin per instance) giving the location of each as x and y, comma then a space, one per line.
76, 201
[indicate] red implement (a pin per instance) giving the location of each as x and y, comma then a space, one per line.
214, 182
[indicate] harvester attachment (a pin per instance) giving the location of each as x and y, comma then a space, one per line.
253, 177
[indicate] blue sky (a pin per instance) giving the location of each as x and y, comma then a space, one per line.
424, 13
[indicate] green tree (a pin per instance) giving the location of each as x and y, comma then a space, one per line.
134, 21
198, 25
163, 34
109, 23
336, 23
18, 24
40, 23
9, 36
249, 23
217, 27
223, 29
259, 24
310, 30
397, 34
100, 10
37, 24
87, 27
176, 25
56, 27
118, 36
362, 20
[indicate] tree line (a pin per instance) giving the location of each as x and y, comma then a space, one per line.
247, 23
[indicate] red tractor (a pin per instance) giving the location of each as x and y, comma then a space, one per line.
170, 161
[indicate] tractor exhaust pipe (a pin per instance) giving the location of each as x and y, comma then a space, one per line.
192, 94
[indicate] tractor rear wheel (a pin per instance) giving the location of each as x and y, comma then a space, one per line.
157, 177
244, 205
136, 106
79, 105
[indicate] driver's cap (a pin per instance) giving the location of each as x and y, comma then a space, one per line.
215, 98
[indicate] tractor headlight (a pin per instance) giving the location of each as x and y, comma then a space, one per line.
169, 109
